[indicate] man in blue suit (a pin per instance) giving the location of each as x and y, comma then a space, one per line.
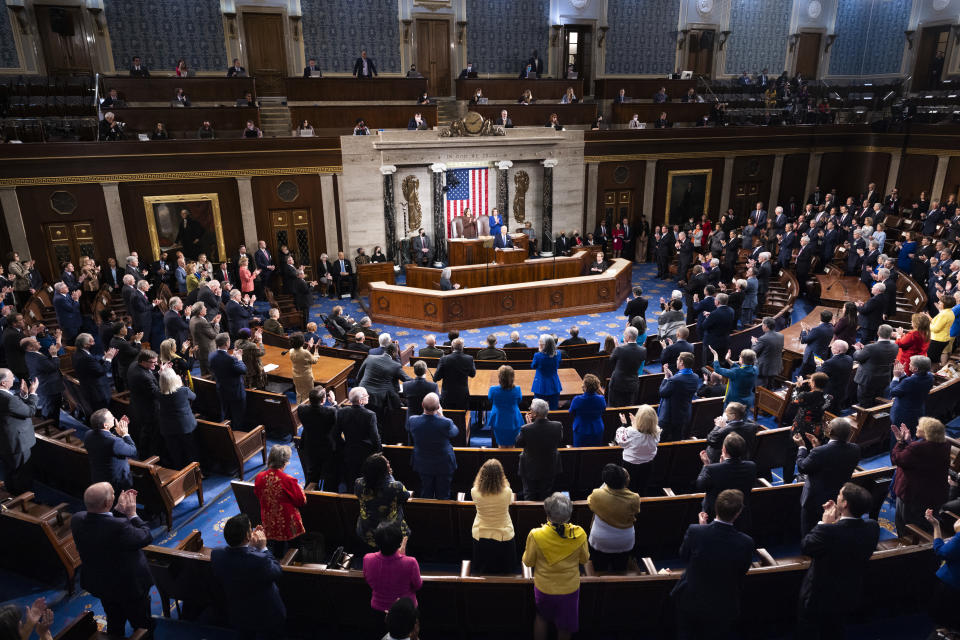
502, 240
109, 454
707, 596
495, 222
433, 455
66, 303
817, 341
827, 467
91, 372
717, 325
677, 391
733, 471
239, 312
17, 408
229, 372
909, 393
176, 325
414, 391
45, 367
111, 549
249, 575
759, 219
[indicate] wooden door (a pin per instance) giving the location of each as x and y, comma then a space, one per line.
67, 242
577, 47
266, 56
745, 198
808, 55
66, 46
932, 40
617, 205
433, 55
291, 227
700, 52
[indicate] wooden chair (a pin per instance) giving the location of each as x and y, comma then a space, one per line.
276, 340
774, 403
207, 403
39, 542
231, 449
702, 415
160, 489
186, 577
273, 410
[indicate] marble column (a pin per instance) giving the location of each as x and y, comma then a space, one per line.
593, 176
118, 230
894, 172
439, 216
503, 190
727, 182
248, 216
775, 179
813, 174
329, 214
939, 178
546, 228
649, 185
389, 212
14, 219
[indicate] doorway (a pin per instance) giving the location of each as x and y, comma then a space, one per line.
292, 227
433, 55
808, 55
266, 56
700, 52
66, 44
928, 71
67, 243
617, 205
577, 49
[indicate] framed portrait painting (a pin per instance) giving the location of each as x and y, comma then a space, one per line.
688, 195
189, 223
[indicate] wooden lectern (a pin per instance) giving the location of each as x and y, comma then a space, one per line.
510, 256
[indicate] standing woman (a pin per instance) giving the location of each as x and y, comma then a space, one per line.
504, 417
643, 241
280, 500
914, 342
179, 364
615, 509
246, 277
908, 248
587, 410
303, 362
546, 381
251, 351
381, 500
639, 441
182, 71
944, 609
845, 325
940, 329
176, 420
494, 547
555, 552
617, 240
923, 467
192, 280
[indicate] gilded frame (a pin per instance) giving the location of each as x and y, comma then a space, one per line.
688, 172
149, 202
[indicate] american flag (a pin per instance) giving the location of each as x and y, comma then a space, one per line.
470, 192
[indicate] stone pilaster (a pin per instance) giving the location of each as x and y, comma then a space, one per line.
248, 216
14, 219
894, 172
503, 190
775, 180
939, 178
546, 222
389, 212
118, 230
439, 215
813, 174
727, 182
649, 184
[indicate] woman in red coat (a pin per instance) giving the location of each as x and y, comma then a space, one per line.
246, 276
280, 500
707, 227
922, 469
915, 342
617, 240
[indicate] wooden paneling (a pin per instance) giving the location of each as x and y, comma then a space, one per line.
750, 183
916, 175
648, 112
183, 122
506, 89
385, 116
640, 88
537, 115
433, 54
66, 45
266, 57
354, 90
665, 166
951, 183
131, 198
90, 206
266, 198
793, 179
473, 276
222, 90
808, 55
374, 272
851, 171
619, 176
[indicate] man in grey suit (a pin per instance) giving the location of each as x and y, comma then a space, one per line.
769, 350
876, 366
422, 248
16, 431
202, 334
380, 375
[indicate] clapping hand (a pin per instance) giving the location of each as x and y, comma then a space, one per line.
704, 458
258, 539
830, 512
122, 426
138, 336
703, 518
798, 440
812, 439
216, 319
753, 339
667, 341
127, 503
713, 352
898, 369
902, 434
108, 355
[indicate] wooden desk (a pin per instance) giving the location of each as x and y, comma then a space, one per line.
354, 90
510, 89
510, 256
473, 276
183, 122
462, 251
792, 347
381, 116
367, 273
327, 372
464, 308
538, 114
640, 88
649, 111
162, 89
570, 382
835, 289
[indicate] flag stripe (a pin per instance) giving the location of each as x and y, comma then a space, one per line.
468, 189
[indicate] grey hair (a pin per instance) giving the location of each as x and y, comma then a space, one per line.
765, 255
630, 334
169, 381
539, 407
128, 279
384, 339
174, 301
357, 394
883, 273
841, 344
279, 456
198, 308
235, 293
213, 284
558, 508
60, 287
514, 336
84, 340
130, 259
4, 374
882, 288
445, 274
457, 344
884, 331
549, 344
920, 364
722, 299
143, 285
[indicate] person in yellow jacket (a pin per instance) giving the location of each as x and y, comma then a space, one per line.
555, 551
940, 329
303, 362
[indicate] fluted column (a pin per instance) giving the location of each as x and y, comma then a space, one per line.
503, 190
389, 211
546, 228
439, 216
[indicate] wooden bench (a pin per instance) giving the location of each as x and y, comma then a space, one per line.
231, 449
85, 627
39, 542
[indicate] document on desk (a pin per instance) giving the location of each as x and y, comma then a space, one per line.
267, 368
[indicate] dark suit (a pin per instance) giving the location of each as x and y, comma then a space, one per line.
827, 467
318, 445
636, 307
501, 241
454, 369
358, 68
238, 317
491, 353
508, 124
46, 370
176, 326
909, 395
627, 361
746, 429
249, 578
769, 350
716, 329
142, 311
309, 71
676, 394
707, 595
818, 344
431, 352
838, 369
728, 474
229, 373
114, 567
433, 455
833, 584
17, 439
211, 302
414, 391
379, 375
875, 370
139, 72
344, 283
684, 257
144, 392
670, 354
870, 315
91, 372
539, 462
357, 426
177, 425
108, 454
302, 294
68, 316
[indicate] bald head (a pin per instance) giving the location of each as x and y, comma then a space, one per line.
431, 403
98, 498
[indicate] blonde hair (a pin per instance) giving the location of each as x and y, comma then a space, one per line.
491, 479
243, 262
168, 348
645, 420
505, 376
931, 429
169, 381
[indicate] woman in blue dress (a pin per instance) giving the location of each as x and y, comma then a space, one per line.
546, 381
587, 410
907, 250
504, 417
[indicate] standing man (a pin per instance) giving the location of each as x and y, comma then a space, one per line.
684, 255
539, 462
433, 455
265, 264
229, 372
870, 313
66, 304
876, 366
202, 334
422, 247
769, 350
144, 397
826, 468
45, 369
16, 431
364, 66
733, 471
839, 368
92, 373
109, 448
111, 549
627, 361
343, 275
677, 392
817, 341
454, 369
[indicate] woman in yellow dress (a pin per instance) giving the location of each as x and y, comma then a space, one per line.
303, 362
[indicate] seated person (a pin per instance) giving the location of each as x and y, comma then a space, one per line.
110, 129
252, 130
112, 100
206, 132
362, 257
504, 120
491, 352
713, 386
235, 70
452, 335
661, 96
305, 130
312, 70
417, 123
574, 337
160, 132
366, 325
273, 322
598, 124
359, 343
569, 97
413, 73
180, 99
138, 69
469, 72
599, 266
526, 97
662, 122
692, 96
361, 128
431, 350
445, 284
424, 98
634, 122
554, 122
621, 97
477, 97
514, 342
247, 100
311, 334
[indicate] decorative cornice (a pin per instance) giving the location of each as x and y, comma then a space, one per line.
162, 176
